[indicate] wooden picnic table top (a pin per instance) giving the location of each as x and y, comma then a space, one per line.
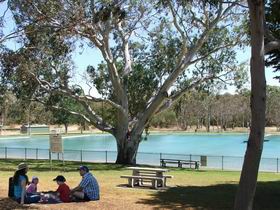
148, 169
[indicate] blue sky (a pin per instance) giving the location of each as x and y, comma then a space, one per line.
88, 56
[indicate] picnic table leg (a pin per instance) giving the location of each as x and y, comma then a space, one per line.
130, 182
141, 182
164, 182
154, 184
159, 182
136, 173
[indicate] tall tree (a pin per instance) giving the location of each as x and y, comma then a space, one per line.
132, 37
248, 180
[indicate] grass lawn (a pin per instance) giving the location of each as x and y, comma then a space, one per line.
188, 189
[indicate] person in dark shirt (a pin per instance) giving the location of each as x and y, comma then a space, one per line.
63, 190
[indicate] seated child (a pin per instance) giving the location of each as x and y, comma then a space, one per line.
63, 190
32, 187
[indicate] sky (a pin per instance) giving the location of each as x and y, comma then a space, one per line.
88, 56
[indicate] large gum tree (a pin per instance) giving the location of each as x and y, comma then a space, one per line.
153, 52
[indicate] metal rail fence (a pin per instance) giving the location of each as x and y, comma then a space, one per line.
209, 161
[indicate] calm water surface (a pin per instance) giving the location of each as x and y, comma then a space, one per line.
196, 144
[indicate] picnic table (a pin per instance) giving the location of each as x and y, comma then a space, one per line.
141, 175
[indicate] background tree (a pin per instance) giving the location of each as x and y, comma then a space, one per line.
193, 32
60, 113
272, 17
188, 110
273, 106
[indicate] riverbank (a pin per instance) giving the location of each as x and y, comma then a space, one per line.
14, 130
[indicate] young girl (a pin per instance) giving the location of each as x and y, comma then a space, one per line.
32, 188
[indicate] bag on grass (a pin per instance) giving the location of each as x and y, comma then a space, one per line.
11, 187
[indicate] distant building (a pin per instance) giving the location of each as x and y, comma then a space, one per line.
34, 129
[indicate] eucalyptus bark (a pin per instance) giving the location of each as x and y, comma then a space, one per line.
248, 180
127, 150
127, 142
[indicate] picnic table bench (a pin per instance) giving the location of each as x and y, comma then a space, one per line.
141, 175
180, 163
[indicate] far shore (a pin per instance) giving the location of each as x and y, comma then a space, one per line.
75, 130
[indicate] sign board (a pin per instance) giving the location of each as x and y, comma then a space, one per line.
56, 143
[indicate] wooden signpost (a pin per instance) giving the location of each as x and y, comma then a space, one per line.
56, 145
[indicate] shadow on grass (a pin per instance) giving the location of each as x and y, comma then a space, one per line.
8, 204
215, 197
57, 165
44, 165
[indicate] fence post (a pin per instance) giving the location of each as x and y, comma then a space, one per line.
6, 153
36, 153
25, 153
81, 155
49, 155
106, 156
277, 165
222, 163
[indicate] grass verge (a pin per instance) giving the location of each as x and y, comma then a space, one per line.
189, 189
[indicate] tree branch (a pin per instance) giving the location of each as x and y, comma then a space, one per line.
211, 52
125, 48
95, 119
180, 67
177, 95
64, 109
273, 45
12, 35
182, 33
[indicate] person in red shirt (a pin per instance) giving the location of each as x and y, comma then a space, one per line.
63, 190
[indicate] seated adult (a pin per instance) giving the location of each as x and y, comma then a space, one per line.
88, 189
20, 180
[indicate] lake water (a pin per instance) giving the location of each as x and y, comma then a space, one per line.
195, 144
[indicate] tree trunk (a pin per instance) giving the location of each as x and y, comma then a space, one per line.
66, 128
81, 128
248, 180
208, 119
127, 150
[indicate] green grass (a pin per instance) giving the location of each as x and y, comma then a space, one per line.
191, 189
